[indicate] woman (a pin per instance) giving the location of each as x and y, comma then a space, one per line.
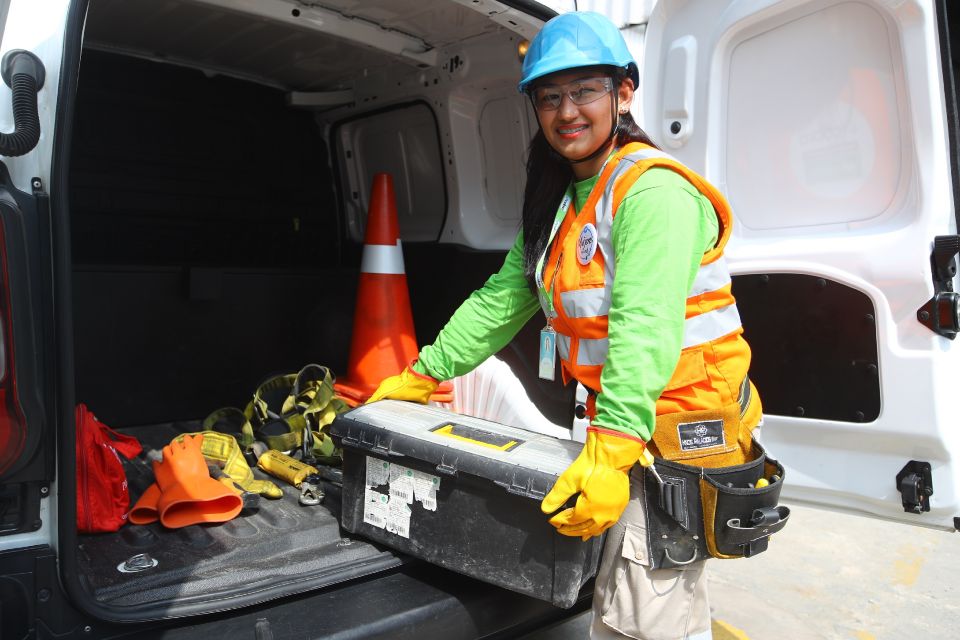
621, 247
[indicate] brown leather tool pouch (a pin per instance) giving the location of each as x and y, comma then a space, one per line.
695, 512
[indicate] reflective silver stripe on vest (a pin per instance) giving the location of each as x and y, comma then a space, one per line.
603, 212
605, 234
711, 325
711, 277
603, 219
586, 303
604, 209
650, 154
603, 216
382, 258
592, 352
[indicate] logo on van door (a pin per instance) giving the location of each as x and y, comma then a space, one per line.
700, 435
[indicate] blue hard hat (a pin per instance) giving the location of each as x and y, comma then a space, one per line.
576, 39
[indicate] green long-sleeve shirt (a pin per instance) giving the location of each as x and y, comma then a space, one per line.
660, 233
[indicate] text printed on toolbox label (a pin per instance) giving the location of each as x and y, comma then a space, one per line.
391, 510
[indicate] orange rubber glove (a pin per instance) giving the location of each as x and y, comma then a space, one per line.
407, 385
145, 511
600, 474
188, 495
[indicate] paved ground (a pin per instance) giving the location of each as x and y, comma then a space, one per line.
832, 576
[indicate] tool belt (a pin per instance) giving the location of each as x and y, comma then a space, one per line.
701, 494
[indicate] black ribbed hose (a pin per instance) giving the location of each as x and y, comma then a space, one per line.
23, 72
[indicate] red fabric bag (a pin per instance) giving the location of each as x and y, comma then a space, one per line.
103, 499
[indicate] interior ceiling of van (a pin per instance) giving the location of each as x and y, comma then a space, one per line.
295, 45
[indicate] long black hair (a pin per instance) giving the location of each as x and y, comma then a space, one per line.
548, 175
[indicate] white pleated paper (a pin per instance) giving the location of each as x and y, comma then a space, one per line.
493, 392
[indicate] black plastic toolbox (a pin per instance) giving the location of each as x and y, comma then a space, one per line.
462, 493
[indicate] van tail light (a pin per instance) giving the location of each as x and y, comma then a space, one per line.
13, 426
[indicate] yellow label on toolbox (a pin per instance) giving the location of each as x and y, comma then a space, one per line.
477, 436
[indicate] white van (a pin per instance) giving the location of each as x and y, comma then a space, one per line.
191, 219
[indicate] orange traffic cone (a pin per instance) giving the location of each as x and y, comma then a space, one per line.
384, 341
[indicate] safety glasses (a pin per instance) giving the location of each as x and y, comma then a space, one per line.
583, 91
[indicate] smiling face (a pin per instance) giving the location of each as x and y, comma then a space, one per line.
577, 130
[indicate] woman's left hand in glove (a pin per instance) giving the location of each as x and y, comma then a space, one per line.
600, 474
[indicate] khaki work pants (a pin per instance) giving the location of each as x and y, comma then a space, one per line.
631, 600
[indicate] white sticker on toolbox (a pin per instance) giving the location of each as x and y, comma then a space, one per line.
375, 508
398, 518
429, 502
425, 484
401, 483
401, 489
406, 485
378, 472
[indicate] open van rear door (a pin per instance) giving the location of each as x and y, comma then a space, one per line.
828, 126
31, 49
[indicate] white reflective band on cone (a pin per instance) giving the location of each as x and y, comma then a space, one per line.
382, 258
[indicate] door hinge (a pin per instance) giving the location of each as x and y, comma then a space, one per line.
941, 313
915, 483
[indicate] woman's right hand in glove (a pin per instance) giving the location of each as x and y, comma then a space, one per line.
600, 475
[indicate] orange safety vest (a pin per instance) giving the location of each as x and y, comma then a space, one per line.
708, 407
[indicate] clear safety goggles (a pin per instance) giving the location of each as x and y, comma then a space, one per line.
583, 91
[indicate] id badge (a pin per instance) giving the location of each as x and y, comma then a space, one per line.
548, 353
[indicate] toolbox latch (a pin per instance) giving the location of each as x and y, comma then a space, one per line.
515, 489
446, 469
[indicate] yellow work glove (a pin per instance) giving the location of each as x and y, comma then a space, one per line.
408, 385
600, 474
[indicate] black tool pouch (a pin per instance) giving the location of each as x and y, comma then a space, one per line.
697, 512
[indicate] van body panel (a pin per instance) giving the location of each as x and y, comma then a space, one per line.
824, 124
38, 27
27, 483
133, 253
403, 141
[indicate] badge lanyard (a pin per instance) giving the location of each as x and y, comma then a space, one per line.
557, 221
548, 336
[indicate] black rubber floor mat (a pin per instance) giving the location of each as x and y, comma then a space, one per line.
276, 549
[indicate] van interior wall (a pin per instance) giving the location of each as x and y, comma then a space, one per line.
207, 247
